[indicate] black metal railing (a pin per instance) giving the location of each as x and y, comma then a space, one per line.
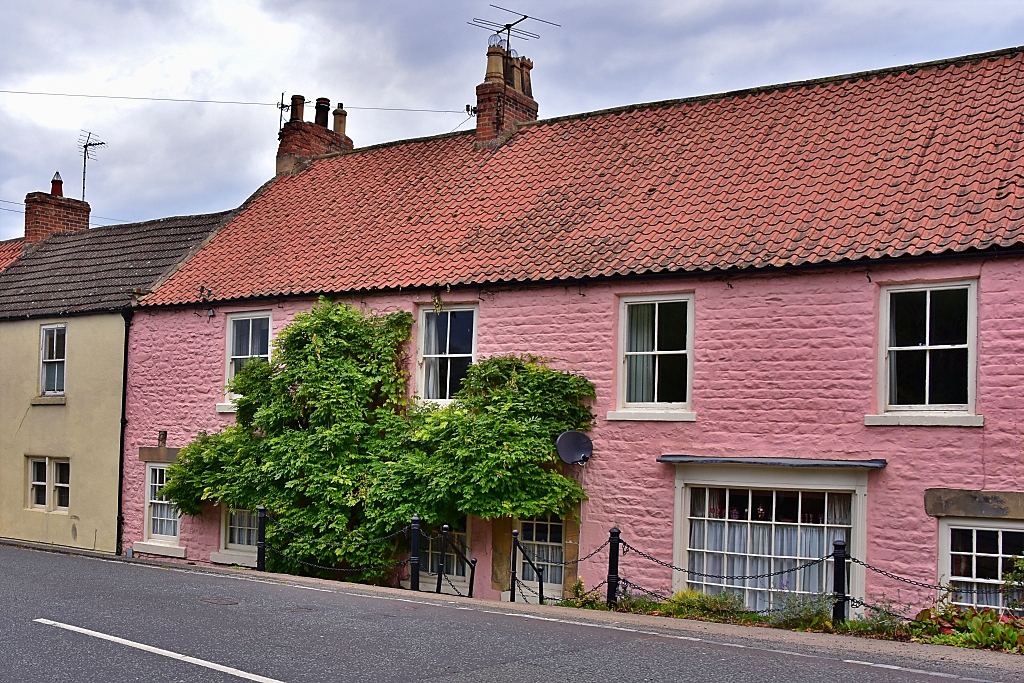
517, 547
413, 531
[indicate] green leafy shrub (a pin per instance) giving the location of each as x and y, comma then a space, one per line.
804, 612
582, 598
697, 604
327, 439
950, 624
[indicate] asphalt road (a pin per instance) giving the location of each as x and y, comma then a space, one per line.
305, 631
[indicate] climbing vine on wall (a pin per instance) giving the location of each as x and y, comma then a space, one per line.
327, 439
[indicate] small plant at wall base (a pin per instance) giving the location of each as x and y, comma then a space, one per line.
327, 439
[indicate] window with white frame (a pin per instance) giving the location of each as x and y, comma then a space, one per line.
242, 528
61, 484
431, 553
544, 540
447, 349
53, 348
248, 338
163, 518
49, 484
657, 358
747, 532
929, 336
975, 556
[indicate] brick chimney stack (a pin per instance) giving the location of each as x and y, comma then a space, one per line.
46, 214
505, 98
302, 140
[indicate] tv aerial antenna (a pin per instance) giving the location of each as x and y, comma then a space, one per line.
88, 142
510, 29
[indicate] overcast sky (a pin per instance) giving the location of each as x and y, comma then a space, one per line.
166, 158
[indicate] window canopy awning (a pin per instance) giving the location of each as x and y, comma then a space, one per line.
873, 464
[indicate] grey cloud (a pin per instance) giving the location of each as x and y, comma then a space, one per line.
167, 159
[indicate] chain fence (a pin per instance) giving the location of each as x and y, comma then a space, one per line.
628, 548
931, 586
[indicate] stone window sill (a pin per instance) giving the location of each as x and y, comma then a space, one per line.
236, 557
924, 420
652, 415
227, 408
158, 549
47, 401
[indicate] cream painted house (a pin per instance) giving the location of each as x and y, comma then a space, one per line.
65, 317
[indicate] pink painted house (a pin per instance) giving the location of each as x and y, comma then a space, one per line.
801, 306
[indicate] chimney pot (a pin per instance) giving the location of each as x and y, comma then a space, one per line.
505, 98
57, 185
323, 105
340, 117
495, 65
298, 103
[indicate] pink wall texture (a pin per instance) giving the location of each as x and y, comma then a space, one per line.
785, 365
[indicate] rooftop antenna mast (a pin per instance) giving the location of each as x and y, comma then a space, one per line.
88, 141
510, 29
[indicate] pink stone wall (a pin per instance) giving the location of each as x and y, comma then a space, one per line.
785, 366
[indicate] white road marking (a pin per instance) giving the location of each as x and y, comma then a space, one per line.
158, 651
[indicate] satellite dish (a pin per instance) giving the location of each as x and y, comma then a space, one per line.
574, 447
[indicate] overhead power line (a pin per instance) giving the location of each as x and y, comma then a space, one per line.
176, 99
106, 218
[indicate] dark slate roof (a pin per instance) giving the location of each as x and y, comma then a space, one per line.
98, 269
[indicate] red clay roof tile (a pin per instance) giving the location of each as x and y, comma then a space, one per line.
9, 251
905, 161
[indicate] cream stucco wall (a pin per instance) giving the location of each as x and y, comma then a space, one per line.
85, 430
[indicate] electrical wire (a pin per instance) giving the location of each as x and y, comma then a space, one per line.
241, 102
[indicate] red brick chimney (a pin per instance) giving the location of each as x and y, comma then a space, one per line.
46, 214
505, 98
301, 140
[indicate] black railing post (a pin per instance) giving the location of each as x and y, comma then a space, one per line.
261, 538
839, 582
444, 551
613, 566
540, 585
515, 559
414, 554
472, 575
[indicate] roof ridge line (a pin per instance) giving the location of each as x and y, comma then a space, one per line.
710, 97
789, 85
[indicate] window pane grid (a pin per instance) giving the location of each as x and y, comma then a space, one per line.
656, 352
53, 358
37, 483
928, 347
250, 338
242, 528
447, 351
979, 559
162, 515
544, 540
740, 532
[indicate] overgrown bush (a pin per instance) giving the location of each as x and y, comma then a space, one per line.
327, 439
805, 612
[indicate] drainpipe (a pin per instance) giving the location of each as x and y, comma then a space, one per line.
127, 315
